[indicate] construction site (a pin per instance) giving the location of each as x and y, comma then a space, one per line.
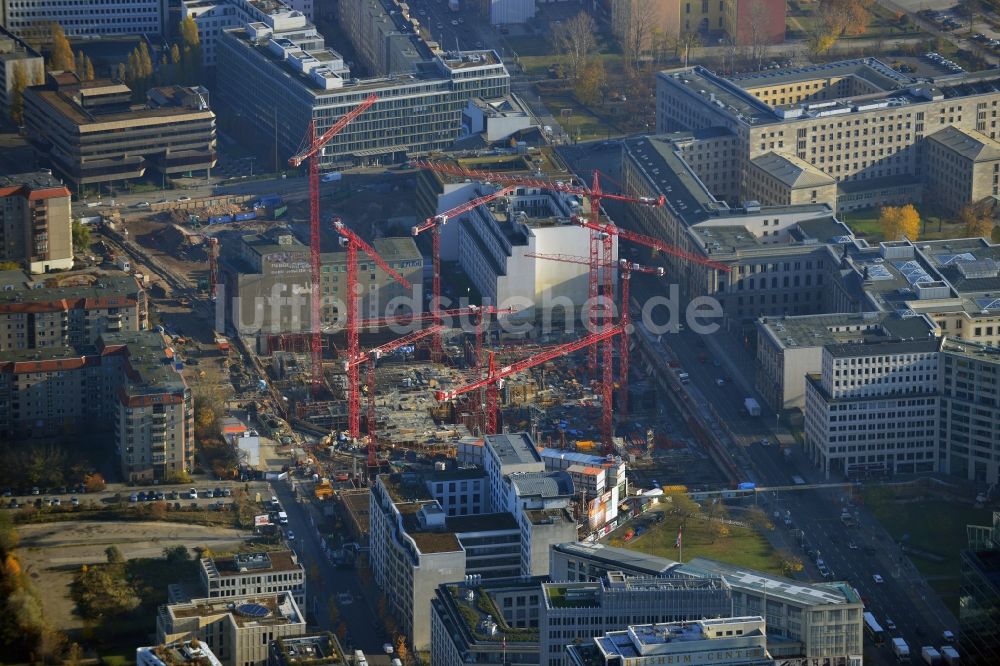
457, 372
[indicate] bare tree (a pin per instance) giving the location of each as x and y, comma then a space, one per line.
683, 44
635, 22
577, 39
757, 27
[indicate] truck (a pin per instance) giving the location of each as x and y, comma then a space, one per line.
901, 650
930, 655
752, 406
453, 5
950, 655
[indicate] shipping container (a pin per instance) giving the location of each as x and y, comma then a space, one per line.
249, 215
220, 219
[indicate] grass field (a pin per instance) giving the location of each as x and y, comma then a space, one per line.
932, 525
742, 547
864, 223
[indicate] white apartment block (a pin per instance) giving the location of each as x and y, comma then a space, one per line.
254, 573
84, 18
874, 408
238, 630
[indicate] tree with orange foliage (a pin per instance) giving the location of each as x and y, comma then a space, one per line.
899, 222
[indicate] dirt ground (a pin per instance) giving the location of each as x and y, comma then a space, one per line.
53, 552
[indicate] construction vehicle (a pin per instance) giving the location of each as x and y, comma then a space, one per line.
323, 490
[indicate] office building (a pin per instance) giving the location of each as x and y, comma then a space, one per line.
815, 620
790, 348
238, 630
266, 279
969, 411
489, 623
254, 573
502, 246
385, 35
780, 250
575, 612
214, 17
865, 125
84, 18
744, 22
426, 529
963, 166
731, 641
123, 383
36, 228
784, 180
275, 72
17, 58
69, 122
873, 409
182, 653
979, 595
312, 649
42, 314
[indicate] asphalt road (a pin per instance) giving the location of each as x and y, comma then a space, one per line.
326, 584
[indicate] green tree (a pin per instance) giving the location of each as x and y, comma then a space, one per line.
132, 70
121, 72
9, 266
18, 85
88, 72
190, 49
62, 53
682, 505
145, 62
8, 534
81, 237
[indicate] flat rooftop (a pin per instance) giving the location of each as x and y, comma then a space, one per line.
779, 587
19, 292
679, 638
248, 611
841, 328
182, 653
514, 448
872, 346
615, 559
270, 562
733, 99
313, 650
972, 350
29, 182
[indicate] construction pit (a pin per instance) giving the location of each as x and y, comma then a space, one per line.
556, 401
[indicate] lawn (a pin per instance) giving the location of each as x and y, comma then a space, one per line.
933, 525
864, 223
743, 547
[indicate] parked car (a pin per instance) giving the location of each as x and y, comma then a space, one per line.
878, 579
74, 501
184, 198
133, 498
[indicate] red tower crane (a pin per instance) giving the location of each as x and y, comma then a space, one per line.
353, 243
595, 193
312, 152
213, 266
495, 376
434, 224
372, 355
624, 319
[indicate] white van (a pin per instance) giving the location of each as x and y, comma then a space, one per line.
282, 518
684, 377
